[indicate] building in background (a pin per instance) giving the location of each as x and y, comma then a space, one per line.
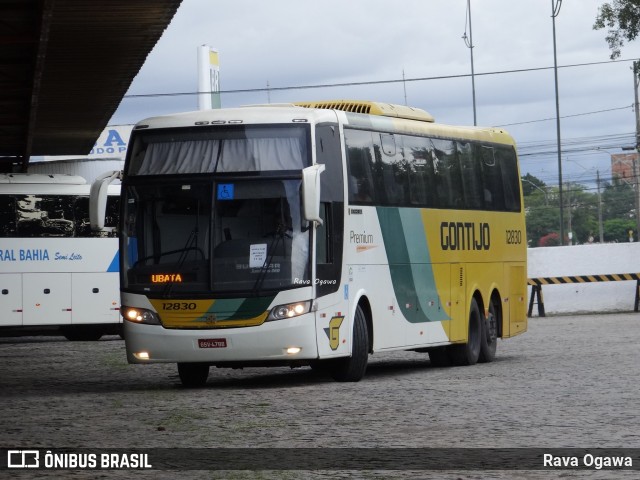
623, 166
107, 154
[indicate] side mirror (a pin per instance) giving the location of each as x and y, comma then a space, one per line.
98, 198
311, 192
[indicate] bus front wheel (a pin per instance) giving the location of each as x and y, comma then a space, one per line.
468, 353
352, 369
193, 374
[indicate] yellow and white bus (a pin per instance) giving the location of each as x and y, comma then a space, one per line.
317, 234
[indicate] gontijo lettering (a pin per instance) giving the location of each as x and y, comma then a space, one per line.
465, 236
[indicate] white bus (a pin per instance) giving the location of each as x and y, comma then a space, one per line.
55, 272
316, 235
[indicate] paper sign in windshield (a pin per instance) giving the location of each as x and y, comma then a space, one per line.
257, 255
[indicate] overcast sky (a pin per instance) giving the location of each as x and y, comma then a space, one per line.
292, 43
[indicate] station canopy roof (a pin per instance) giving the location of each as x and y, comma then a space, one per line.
65, 65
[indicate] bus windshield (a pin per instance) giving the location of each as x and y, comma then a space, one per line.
229, 148
241, 236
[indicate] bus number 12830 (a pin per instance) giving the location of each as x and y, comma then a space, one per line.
514, 237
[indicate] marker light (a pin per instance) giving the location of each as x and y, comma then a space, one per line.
141, 355
289, 310
293, 350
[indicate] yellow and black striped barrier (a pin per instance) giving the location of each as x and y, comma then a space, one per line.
537, 283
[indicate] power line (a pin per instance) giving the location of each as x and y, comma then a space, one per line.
565, 116
375, 82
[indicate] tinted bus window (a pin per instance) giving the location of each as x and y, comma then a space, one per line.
7, 216
510, 180
472, 184
390, 172
360, 158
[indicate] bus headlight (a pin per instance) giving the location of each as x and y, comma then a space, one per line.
140, 315
289, 310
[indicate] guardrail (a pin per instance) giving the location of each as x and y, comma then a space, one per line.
537, 283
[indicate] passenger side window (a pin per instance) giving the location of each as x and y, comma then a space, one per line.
7, 216
360, 158
510, 179
447, 174
471, 176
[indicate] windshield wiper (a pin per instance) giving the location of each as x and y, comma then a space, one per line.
278, 235
191, 244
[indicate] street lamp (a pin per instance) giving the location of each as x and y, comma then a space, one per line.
544, 192
469, 43
555, 11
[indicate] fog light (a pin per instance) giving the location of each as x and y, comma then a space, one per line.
141, 355
293, 350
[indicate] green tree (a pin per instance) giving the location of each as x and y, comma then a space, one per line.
622, 18
618, 200
541, 208
617, 230
531, 183
582, 209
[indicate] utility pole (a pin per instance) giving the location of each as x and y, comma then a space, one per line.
600, 228
404, 86
555, 11
469, 43
635, 184
570, 233
636, 71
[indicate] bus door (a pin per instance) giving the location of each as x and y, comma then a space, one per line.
517, 321
11, 299
47, 298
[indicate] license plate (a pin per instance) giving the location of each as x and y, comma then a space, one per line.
212, 342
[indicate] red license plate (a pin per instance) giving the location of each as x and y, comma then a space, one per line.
212, 342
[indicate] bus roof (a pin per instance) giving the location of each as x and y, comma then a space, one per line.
372, 108
356, 113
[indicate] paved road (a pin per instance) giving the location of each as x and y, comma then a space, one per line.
568, 382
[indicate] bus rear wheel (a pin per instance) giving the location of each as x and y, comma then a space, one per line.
489, 336
352, 369
468, 353
193, 375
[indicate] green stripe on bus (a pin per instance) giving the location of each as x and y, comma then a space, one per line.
409, 262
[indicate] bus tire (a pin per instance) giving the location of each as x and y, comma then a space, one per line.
353, 368
489, 336
468, 353
193, 375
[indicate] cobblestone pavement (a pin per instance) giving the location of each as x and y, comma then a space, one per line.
569, 382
